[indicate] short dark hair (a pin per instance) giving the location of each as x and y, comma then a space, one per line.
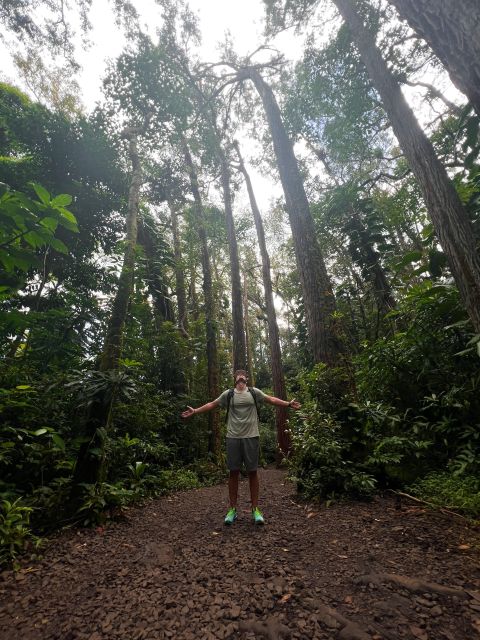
240, 372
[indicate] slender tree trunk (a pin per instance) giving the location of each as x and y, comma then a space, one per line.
279, 387
248, 342
450, 220
379, 281
316, 287
452, 29
89, 466
210, 323
113, 342
155, 280
239, 344
179, 274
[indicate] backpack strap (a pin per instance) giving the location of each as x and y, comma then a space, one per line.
229, 399
254, 400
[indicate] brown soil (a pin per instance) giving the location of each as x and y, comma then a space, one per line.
355, 571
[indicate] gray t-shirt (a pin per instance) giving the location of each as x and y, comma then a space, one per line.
242, 415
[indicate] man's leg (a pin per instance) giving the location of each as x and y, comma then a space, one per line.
254, 487
233, 488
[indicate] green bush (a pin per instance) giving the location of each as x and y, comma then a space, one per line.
15, 533
170, 480
321, 464
445, 489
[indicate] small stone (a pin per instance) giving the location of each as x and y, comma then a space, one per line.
235, 612
436, 610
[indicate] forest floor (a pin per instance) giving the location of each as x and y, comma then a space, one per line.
171, 569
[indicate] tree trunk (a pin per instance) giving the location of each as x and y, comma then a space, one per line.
214, 445
452, 29
248, 342
450, 220
279, 388
179, 274
239, 345
163, 309
316, 287
376, 274
90, 466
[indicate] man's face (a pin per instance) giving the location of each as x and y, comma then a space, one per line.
240, 381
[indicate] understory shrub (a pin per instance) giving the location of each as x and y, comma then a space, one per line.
445, 489
415, 409
16, 535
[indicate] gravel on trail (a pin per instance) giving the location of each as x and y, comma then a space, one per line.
171, 569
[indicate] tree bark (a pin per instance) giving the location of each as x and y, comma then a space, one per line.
163, 309
316, 287
179, 274
214, 445
451, 222
279, 387
248, 342
239, 344
452, 30
376, 274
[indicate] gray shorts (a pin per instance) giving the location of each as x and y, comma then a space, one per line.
242, 450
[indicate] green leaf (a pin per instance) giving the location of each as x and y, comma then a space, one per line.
38, 238
60, 442
58, 245
23, 386
40, 432
49, 223
63, 200
41, 192
408, 258
67, 219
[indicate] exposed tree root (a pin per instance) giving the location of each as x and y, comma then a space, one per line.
413, 584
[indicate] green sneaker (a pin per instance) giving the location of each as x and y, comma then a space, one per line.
257, 516
231, 516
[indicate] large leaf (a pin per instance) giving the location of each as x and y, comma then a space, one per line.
49, 223
63, 200
408, 258
41, 192
58, 245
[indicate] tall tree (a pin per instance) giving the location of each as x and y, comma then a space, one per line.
316, 286
239, 342
89, 463
210, 323
451, 222
278, 377
179, 271
154, 248
452, 31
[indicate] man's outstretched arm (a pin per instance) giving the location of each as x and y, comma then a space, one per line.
278, 402
190, 411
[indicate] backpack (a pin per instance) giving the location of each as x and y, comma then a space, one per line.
230, 395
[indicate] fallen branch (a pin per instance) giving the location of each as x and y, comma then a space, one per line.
429, 504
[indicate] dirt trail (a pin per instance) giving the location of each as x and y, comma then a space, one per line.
173, 570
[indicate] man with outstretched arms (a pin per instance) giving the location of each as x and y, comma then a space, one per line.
242, 441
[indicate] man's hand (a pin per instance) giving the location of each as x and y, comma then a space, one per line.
294, 404
188, 413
